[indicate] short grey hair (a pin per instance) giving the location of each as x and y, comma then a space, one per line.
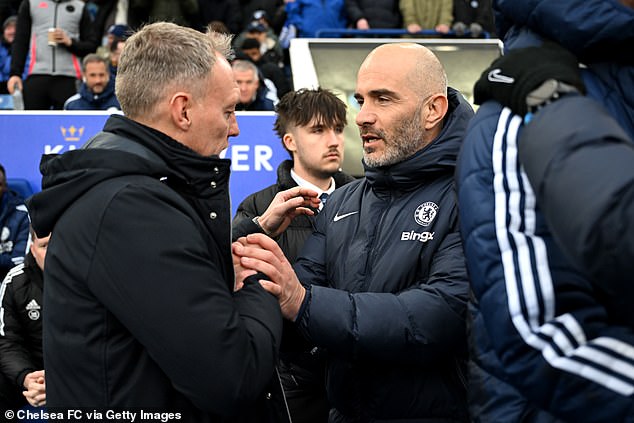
162, 56
93, 58
245, 65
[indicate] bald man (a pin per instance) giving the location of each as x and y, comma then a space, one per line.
381, 284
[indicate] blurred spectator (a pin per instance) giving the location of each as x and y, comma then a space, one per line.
119, 32
181, 12
474, 16
118, 12
8, 8
54, 65
14, 227
97, 89
8, 35
115, 53
268, 12
427, 14
219, 27
269, 44
225, 11
368, 14
270, 70
254, 93
21, 359
309, 16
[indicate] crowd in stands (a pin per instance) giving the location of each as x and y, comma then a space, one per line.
43, 43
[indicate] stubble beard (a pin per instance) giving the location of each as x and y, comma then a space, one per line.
404, 143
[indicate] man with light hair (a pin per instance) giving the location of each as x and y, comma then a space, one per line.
381, 285
141, 308
255, 94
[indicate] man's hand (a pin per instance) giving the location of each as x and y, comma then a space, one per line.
511, 78
261, 254
13, 83
35, 388
285, 207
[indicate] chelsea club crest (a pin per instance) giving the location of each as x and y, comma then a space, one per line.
425, 213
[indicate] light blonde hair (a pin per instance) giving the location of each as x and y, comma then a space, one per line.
163, 56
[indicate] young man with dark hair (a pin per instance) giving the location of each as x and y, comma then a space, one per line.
310, 124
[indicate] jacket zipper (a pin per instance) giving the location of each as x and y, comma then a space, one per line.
54, 48
371, 253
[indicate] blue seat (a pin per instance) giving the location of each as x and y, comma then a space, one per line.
21, 186
6, 102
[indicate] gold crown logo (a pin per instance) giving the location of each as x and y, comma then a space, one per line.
72, 134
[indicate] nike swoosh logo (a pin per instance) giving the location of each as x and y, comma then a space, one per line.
496, 76
338, 217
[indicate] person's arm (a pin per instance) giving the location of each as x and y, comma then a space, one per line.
15, 359
285, 206
387, 326
446, 14
354, 11
581, 165
217, 348
410, 20
88, 40
20, 48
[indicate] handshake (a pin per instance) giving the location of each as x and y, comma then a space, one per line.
528, 78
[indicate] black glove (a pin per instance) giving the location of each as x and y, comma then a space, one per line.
511, 78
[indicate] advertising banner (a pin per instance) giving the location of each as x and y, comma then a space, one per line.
25, 136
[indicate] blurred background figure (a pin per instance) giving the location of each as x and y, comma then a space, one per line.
255, 94
8, 35
270, 70
115, 53
225, 11
309, 16
427, 14
115, 32
21, 357
14, 227
57, 34
370, 14
181, 12
474, 16
97, 89
8, 8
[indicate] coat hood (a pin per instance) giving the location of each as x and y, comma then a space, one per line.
437, 157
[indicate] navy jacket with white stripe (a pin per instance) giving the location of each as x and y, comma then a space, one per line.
549, 339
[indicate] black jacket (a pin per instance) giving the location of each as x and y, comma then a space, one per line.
140, 279
21, 321
379, 14
388, 287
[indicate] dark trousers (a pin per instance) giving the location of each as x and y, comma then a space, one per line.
46, 92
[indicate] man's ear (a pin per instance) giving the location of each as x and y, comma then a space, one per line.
289, 142
180, 105
435, 110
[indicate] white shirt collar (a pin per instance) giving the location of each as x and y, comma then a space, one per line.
305, 184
